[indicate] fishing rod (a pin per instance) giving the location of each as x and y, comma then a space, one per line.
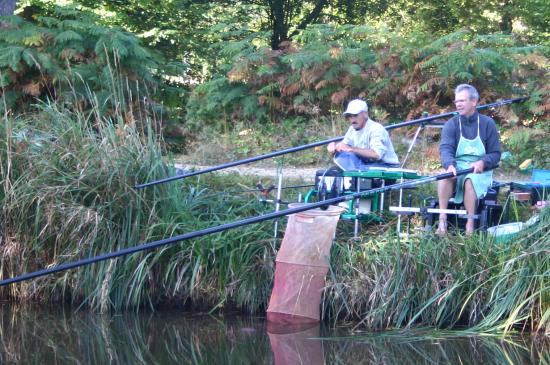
224, 227
240, 162
450, 114
316, 144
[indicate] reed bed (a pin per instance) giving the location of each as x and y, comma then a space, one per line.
453, 282
67, 193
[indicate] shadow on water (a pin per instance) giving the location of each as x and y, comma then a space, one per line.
47, 336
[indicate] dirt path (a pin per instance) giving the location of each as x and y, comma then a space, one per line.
308, 173
298, 173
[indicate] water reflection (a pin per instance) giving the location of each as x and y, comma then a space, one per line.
296, 345
48, 336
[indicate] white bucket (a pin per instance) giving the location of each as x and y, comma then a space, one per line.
505, 232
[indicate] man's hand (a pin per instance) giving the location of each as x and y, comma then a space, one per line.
342, 147
338, 147
478, 166
452, 169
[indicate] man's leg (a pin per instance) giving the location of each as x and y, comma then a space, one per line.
347, 161
444, 192
470, 200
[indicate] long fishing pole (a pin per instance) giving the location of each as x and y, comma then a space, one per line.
240, 162
224, 227
450, 114
316, 144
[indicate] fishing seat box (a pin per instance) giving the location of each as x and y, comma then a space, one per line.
332, 183
538, 186
488, 210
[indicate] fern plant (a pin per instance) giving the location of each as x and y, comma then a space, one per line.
68, 56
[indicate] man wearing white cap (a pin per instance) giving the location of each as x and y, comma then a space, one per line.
366, 143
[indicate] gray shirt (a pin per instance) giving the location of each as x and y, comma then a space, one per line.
487, 132
375, 137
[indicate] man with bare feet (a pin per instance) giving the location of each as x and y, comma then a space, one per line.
469, 139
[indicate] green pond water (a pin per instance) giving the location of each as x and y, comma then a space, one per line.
61, 336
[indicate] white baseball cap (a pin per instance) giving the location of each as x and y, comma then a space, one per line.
356, 106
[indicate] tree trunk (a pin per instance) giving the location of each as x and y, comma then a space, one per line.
281, 12
505, 23
313, 16
279, 28
7, 7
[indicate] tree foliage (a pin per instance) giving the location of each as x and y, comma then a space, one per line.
329, 65
405, 61
65, 55
529, 18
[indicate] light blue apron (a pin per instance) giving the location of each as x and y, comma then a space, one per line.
467, 152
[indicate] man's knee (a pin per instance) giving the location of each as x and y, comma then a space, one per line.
445, 190
469, 187
470, 194
446, 184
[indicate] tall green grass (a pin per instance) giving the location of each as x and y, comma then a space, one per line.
449, 282
67, 193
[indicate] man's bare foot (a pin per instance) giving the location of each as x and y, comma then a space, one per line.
441, 227
469, 228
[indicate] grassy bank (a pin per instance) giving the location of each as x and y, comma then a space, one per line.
444, 282
67, 193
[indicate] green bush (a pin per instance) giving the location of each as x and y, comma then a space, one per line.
67, 56
474, 283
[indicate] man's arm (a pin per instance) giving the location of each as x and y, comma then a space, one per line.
447, 148
365, 153
376, 148
333, 147
492, 146
361, 152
